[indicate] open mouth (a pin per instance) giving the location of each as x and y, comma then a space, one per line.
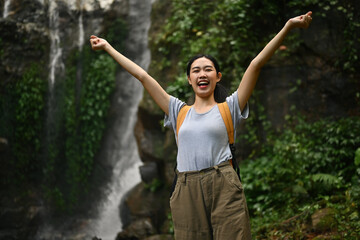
203, 84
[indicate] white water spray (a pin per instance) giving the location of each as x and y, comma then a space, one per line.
124, 178
6, 8
120, 152
55, 62
81, 32
81, 27
126, 171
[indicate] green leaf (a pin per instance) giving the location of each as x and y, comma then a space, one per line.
357, 157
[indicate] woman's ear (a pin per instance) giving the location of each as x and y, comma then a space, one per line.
219, 75
189, 81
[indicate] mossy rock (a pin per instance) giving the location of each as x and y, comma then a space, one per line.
324, 220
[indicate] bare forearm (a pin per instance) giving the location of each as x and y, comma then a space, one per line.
251, 74
126, 63
263, 57
150, 84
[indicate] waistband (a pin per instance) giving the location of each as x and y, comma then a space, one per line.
205, 170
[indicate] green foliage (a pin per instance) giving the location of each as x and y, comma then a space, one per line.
327, 181
29, 122
85, 117
155, 185
298, 168
116, 33
63, 164
171, 223
349, 47
98, 85
180, 88
235, 31
257, 125
58, 197
357, 157
84, 112
84, 104
308, 162
225, 29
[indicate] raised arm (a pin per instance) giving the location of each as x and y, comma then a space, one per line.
150, 84
251, 74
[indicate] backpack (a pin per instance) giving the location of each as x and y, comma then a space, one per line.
226, 116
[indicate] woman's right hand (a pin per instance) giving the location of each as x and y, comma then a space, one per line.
97, 43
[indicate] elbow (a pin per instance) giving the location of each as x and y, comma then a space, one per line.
256, 64
141, 76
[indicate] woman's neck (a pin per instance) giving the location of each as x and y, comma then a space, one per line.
203, 105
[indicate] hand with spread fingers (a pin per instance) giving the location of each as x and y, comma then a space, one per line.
302, 21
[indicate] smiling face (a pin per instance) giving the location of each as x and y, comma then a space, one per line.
203, 77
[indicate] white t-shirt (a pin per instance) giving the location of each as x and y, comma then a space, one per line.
203, 141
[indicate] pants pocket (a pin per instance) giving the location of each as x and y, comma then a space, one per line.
176, 191
232, 179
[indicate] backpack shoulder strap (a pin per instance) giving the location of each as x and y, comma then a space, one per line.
226, 116
181, 117
179, 121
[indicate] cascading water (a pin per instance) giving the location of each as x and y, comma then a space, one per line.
119, 151
6, 8
80, 44
55, 61
81, 27
126, 173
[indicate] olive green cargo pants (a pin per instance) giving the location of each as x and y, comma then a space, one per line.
210, 204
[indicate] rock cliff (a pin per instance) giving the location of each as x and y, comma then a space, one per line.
310, 81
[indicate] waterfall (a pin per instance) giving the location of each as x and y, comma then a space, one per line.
119, 151
6, 8
81, 27
81, 31
125, 154
80, 44
55, 61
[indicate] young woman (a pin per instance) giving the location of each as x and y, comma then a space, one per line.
208, 201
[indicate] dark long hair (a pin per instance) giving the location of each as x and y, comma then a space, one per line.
220, 92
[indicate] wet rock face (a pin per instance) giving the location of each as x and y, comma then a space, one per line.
137, 230
26, 39
144, 212
25, 32
20, 216
22, 44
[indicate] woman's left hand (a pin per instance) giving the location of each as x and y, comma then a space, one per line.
302, 21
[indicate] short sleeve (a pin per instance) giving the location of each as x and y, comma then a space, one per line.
236, 113
174, 107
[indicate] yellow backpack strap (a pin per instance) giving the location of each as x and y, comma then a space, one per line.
181, 117
179, 121
226, 116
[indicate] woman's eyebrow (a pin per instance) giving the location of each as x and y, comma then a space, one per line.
197, 67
